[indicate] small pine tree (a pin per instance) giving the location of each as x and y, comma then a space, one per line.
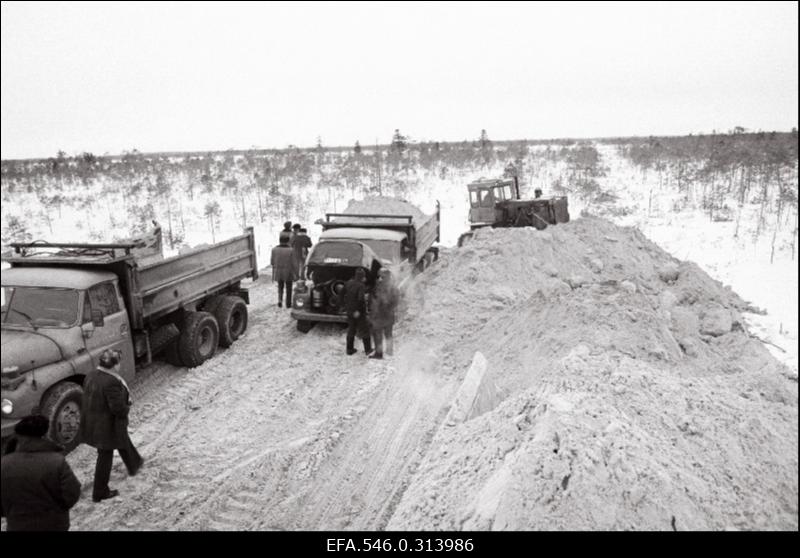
399, 141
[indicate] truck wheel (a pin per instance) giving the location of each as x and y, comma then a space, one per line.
464, 238
172, 355
305, 326
212, 303
199, 338
231, 315
62, 406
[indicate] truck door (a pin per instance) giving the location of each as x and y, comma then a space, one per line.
115, 332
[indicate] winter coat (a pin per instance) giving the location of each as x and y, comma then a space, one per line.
383, 305
38, 487
104, 411
281, 261
300, 248
354, 291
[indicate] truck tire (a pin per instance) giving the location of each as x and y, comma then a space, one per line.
171, 354
231, 315
211, 303
305, 326
430, 257
199, 338
62, 407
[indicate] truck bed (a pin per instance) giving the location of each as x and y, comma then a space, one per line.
157, 288
422, 231
165, 285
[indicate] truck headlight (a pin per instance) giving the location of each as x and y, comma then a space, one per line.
7, 407
299, 302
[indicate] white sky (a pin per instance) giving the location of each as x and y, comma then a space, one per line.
109, 77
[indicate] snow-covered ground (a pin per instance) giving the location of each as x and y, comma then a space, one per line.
617, 398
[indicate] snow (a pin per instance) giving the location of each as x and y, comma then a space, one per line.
587, 376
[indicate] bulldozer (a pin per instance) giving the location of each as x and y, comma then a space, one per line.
497, 203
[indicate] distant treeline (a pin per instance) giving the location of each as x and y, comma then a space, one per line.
254, 185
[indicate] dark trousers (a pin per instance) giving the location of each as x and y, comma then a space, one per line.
288, 286
358, 326
379, 333
105, 458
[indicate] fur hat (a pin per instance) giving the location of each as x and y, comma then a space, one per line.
34, 426
109, 359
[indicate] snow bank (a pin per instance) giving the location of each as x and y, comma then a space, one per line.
634, 397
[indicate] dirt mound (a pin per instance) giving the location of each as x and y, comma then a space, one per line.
631, 395
383, 205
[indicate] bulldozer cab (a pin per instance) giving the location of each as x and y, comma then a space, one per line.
484, 196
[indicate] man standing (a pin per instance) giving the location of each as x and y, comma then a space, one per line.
382, 312
300, 248
295, 232
286, 232
39, 487
283, 270
104, 422
356, 306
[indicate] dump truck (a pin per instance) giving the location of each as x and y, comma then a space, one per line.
64, 304
401, 240
497, 203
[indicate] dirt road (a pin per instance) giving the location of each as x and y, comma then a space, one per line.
282, 431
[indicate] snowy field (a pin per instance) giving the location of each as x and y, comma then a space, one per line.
622, 386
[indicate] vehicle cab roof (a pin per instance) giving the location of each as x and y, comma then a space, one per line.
53, 277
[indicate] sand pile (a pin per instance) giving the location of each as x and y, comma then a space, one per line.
630, 394
383, 205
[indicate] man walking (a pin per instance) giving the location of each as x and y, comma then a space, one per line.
283, 270
382, 312
104, 422
356, 307
38, 485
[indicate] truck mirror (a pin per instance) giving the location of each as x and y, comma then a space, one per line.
97, 318
87, 329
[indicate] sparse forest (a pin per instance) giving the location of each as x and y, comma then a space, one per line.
216, 192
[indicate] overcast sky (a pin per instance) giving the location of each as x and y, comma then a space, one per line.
110, 77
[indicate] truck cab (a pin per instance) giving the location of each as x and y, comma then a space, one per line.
331, 263
55, 324
483, 198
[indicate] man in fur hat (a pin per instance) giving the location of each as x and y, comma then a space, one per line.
104, 422
38, 485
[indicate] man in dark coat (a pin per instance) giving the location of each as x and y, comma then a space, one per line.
382, 312
38, 485
300, 246
356, 306
104, 422
283, 270
286, 233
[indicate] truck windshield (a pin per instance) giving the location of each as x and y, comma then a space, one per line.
39, 306
388, 250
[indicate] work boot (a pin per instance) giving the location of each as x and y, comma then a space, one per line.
280, 304
367, 345
351, 350
134, 471
106, 496
389, 346
376, 355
